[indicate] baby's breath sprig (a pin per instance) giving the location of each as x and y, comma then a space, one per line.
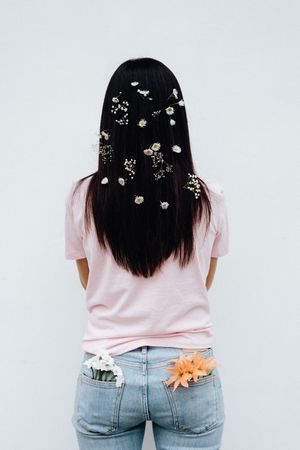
156, 114
122, 107
130, 166
170, 111
193, 184
106, 152
105, 149
159, 162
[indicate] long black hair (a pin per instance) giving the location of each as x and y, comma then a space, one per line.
143, 235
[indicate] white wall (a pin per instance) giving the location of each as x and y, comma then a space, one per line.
238, 64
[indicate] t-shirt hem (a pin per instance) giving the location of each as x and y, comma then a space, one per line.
114, 347
217, 254
75, 256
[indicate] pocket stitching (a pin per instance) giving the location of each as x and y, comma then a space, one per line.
98, 383
202, 380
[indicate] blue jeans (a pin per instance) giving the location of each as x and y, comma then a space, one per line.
113, 417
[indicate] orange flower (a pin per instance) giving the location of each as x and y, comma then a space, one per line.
189, 367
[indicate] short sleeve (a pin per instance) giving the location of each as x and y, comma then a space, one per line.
73, 236
221, 243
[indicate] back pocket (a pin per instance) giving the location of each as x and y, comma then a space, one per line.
97, 404
194, 408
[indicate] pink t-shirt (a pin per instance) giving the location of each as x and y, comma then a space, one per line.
169, 309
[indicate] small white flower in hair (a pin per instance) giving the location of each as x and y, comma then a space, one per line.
176, 148
115, 100
104, 180
164, 205
138, 199
144, 93
172, 122
181, 103
105, 135
170, 110
121, 181
155, 146
134, 83
148, 151
142, 123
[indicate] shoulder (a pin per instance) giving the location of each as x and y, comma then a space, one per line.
216, 189
217, 198
77, 189
82, 185
218, 203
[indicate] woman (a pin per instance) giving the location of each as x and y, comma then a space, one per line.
146, 233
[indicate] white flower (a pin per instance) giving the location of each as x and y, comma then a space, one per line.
148, 151
170, 110
172, 122
134, 83
175, 93
144, 93
142, 123
138, 199
120, 381
181, 103
115, 100
121, 181
105, 135
176, 148
103, 353
104, 362
155, 146
104, 180
164, 205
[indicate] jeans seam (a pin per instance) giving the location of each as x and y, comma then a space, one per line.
173, 406
117, 408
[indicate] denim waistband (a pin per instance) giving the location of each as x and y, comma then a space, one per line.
152, 355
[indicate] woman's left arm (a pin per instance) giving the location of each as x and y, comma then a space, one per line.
211, 272
83, 269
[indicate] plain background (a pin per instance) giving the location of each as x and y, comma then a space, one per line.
238, 65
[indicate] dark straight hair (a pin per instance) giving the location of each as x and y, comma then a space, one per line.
142, 236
